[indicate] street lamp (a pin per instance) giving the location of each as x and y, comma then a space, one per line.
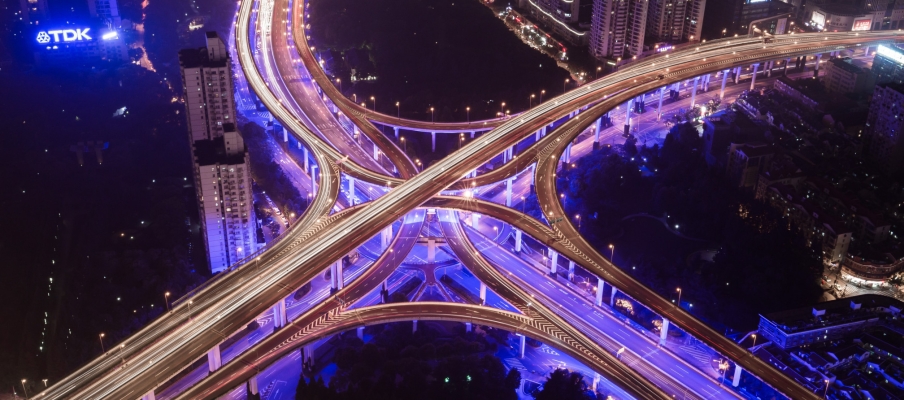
24, 389
530, 102
679, 297
598, 72
754, 340
354, 97
523, 203
191, 301
461, 138
404, 144
612, 253
398, 111
45, 382
101, 336
578, 216
468, 111
826, 394
432, 120
502, 108
166, 300
121, 357
542, 92
339, 81
563, 85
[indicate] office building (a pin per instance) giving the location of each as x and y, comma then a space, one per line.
33, 12
222, 172
843, 77
888, 64
107, 11
854, 15
885, 124
675, 21
618, 28
74, 46
758, 12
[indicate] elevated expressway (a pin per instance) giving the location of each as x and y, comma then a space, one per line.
304, 256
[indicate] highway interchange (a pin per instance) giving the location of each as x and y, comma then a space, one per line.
280, 68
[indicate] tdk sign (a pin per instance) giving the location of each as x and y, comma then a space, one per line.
63, 35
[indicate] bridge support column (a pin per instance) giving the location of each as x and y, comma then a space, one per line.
431, 251
628, 115
769, 65
467, 326
337, 281
395, 130
753, 79
307, 353
475, 218
351, 188
279, 314
252, 385
818, 59
737, 75
521, 345
567, 155
376, 153
517, 241
787, 62
314, 177
570, 270
360, 332
706, 79
724, 79
599, 291
737, 376
508, 192
385, 237
661, 97
414, 326
472, 134
663, 332
433, 141
694, 91
384, 292
483, 293
553, 261
596, 135
612, 297
306, 169
596, 381
285, 136
149, 396
213, 359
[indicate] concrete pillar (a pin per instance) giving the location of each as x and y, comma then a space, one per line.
517, 241
279, 314
384, 292
567, 155
694, 91
431, 251
737, 75
376, 153
149, 396
252, 385
475, 218
521, 345
628, 115
307, 353
213, 359
737, 376
299, 144
360, 332
612, 297
769, 68
314, 176
285, 136
706, 82
467, 326
596, 381
337, 281
785, 71
306, 160
753, 79
724, 78
599, 291
414, 326
663, 332
508, 192
599, 129
818, 59
553, 261
385, 237
351, 187
483, 293
472, 134
395, 130
433, 141
570, 270
659, 110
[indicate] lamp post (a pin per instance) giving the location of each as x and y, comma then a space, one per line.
542, 92
45, 382
101, 337
523, 203
468, 111
339, 81
598, 72
612, 253
502, 108
372, 99
398, 111
679, 297
461, 138
404, 145
24, 389
432, 119
191, 301
578, 216
563, 85
364, 105
121, 357
166, 300
826, 393
354, 97
530, 102
754, 340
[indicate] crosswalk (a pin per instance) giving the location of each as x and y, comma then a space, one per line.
514, 363
702, 355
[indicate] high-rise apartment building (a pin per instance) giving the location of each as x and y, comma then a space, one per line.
561, 16
107, 10
885, 125
618, 28
222, 173
33, 12
675, 21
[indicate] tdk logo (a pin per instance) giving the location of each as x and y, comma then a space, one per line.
63, 35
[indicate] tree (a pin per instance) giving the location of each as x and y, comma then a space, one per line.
513, 379
563, 384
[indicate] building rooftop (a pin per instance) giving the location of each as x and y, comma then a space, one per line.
833, 313
194, 58
210, 152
